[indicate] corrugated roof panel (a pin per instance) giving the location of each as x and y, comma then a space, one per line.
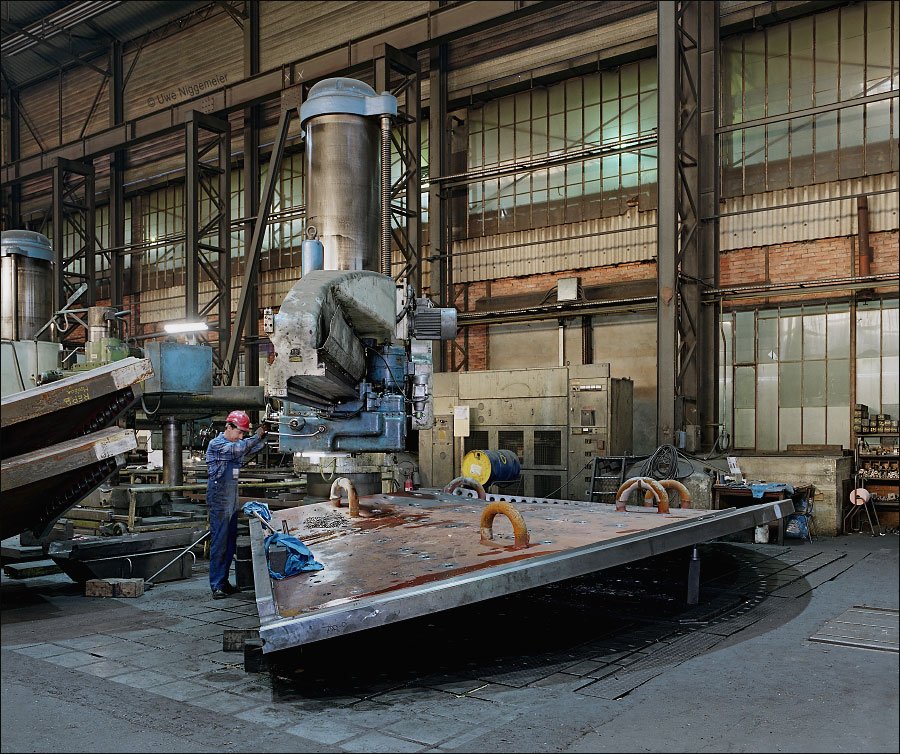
136, 17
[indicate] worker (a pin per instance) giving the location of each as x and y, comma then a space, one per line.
224, 458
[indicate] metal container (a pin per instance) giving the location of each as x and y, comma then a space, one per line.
312, 255
342, 189
100, 325
179, 368
490, 466
343, 145
26, 284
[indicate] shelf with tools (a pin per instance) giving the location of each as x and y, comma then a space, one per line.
878, 473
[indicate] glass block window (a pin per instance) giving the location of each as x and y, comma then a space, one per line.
822, 59
547, 447
574, 150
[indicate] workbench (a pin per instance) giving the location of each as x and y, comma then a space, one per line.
731, 496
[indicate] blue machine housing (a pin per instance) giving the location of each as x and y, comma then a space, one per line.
374, 423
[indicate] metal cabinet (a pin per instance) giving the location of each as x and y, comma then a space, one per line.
555, 420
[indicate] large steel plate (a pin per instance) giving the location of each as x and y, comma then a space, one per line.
418, 553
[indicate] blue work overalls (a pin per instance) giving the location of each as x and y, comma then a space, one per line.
224, 460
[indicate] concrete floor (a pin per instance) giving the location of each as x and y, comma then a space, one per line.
608, 663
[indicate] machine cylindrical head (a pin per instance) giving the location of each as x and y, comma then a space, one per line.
26, 259
342, 170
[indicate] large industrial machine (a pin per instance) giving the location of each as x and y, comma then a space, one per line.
26, 305
352, 369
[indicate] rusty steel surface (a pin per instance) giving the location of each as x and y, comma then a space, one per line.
414, 553
55, 447
38, 465
74, 390
40, 486
37, 418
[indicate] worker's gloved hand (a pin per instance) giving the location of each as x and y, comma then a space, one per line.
262, 430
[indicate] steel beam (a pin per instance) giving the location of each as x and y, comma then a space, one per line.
668, 102
708, 265
72, 205
252, 120
290, 103
12, 201
210, 180
687, 261
116, 180
398, 73
438, 161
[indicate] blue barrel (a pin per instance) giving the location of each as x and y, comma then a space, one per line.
490, 466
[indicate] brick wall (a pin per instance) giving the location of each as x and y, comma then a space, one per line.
793, 262
806, 260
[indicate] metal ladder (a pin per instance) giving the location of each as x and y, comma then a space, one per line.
607, 475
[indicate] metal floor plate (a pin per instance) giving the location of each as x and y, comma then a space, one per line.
420, 553
863, 627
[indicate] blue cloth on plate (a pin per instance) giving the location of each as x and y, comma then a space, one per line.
261, 508
299, 557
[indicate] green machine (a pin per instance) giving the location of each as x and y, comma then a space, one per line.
106, 339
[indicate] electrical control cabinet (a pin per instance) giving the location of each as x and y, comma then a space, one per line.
555, 420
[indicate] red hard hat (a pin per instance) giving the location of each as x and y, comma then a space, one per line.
240, 420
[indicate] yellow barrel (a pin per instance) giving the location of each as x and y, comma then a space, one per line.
489, 466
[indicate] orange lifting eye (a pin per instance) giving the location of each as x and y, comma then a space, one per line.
512, 513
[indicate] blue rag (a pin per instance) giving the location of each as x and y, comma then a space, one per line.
762, 488
261, 508
299, 557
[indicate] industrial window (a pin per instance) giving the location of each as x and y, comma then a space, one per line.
513, 440
162, 224
822, 59
400, 200
578, 149
877, 357
163, 231
786, 374
547, 484
476, 441
547, 447
284, 236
